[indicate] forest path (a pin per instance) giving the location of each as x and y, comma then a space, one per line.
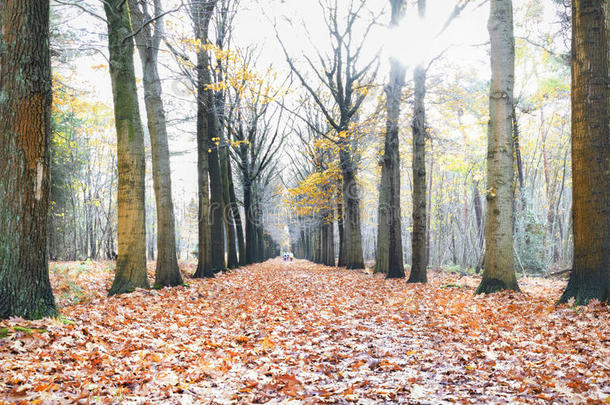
281, 331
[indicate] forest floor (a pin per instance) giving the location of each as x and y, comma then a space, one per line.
303, 333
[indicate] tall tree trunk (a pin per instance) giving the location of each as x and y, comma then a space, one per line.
590, 276
306, 243
259, 254
166, 272
227, 211
419, 263
217, 228
419, 253
25, 129
216, 217
250, 228
225, 166
302, 246
352, 237
330, 242
202, 13
260, 243
317, 244
341, 258
131, 260
389, 233
499, 270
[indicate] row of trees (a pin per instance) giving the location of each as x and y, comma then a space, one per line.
242, 121
507, 229
236, 123
224, 129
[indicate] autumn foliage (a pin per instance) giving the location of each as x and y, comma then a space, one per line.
297, 331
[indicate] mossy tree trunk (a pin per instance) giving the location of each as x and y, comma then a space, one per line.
148, 42
590, 276
25, 127
131, 230
499, 268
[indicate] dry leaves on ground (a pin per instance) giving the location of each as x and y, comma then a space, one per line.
279, 332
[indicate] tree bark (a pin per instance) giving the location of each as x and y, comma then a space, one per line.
389, 233
499, 271
419, 262
227, 211
131, 260
202, 13
419, 252
590, 277
217, 258
260, 240
352, 237
25, 129
250, 227
329, 230
341, 258
225, 168
166, 272
317, 245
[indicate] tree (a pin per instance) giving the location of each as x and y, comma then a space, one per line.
216, 174
499, 271
314, 196
25, 128
590, 276
225, 15
201, 13
389, 234
256, 140
419, 241
348, 80
148, 42
131, 260
216, 213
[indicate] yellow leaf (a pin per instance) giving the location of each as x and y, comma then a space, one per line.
268, 343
